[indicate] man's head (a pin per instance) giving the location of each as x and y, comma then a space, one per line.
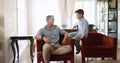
50, 19
79, 13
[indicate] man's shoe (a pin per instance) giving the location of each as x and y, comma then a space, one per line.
78, 51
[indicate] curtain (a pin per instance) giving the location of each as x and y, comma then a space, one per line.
37, 12
62, 10
66, 11
118, 23
70, 10
90, 10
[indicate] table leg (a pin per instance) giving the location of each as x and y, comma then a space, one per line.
13, 48
31, 46
17, 46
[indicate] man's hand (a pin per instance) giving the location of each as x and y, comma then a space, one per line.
64, 42
65, 38
38, 37
47, 40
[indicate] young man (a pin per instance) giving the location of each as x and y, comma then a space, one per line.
51, 35
82, 26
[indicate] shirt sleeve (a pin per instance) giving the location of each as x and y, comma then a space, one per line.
61, 31
85, 29
40, 32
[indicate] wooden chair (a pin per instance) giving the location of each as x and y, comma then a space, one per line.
98, 45
92, 28
65, 57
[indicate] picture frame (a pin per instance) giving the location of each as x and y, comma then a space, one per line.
112, 35
112, 26
112, 15
119, 5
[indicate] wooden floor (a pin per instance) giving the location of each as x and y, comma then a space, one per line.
25, 57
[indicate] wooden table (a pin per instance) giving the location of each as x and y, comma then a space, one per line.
69, 30
106, 61
15, 41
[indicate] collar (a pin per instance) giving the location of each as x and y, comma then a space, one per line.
53, 27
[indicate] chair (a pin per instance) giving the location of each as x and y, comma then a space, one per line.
92, 28
98, 45
65, 57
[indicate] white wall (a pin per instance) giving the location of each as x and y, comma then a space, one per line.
22, 17
1, 32
14, 25
22, 22
119, 29
29, 16
10, 27
119, 23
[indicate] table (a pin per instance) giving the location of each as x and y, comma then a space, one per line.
69, 30
15, 41
106, 61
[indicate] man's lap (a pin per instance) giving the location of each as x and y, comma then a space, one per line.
59, 50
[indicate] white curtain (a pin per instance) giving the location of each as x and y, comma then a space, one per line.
66, 8
90, 10
70, 10
118, 23
62, 11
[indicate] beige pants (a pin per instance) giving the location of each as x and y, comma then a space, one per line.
54, 49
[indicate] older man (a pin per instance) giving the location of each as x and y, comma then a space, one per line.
51, 35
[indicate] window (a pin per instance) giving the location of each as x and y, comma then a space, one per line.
42, 8
37, 10
89, 7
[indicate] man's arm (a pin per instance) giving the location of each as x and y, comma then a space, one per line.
65, 38
39, 37
61, 31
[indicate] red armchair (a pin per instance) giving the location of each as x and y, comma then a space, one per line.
98, 45
65, 57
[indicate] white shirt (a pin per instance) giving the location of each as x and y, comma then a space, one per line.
82, 27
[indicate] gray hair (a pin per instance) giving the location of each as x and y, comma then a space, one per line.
48, 17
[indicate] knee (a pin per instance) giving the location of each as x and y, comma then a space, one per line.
46, 47
69, 35
68, 48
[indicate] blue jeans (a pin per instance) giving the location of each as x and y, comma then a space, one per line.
76, 37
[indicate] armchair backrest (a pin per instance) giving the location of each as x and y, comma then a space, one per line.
91, 28
61, 38
99, 39
94, 39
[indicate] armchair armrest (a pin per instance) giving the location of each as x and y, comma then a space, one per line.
83, 41
39, 45
110, 41
70, 42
